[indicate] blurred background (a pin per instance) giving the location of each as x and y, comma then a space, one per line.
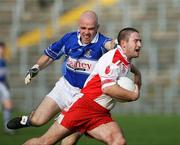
29, 26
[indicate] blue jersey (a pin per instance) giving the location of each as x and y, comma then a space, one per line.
3, 70
81, 58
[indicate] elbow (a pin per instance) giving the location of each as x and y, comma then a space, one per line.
134, 98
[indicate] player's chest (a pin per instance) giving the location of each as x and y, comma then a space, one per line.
85, 65
123, 69
85, 53
114, 70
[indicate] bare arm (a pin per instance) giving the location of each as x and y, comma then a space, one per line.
44, 61
117, 92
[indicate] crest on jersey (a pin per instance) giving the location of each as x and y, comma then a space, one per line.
108, 69
124, 68
112, 70
88, 53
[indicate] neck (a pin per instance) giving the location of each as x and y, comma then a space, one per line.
126, 53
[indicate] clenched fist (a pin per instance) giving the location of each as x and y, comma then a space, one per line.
32, 72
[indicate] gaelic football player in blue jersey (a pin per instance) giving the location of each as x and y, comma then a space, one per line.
4, 89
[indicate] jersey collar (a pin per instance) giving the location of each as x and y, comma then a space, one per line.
95, 39
122, 53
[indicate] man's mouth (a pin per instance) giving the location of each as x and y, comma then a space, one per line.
86, 37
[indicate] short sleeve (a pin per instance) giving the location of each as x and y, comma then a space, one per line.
104, 50
58, 48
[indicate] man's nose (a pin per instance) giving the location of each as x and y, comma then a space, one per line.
139, 44
86, 31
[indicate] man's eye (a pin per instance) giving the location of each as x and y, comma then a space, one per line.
91, 28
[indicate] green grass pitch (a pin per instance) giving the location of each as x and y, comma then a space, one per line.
138, 130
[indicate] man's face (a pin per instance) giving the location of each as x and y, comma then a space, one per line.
133, 45
88, 29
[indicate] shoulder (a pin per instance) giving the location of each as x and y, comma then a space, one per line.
67, 36
66, 39
108, 56
106, 42
71, 34
102, 36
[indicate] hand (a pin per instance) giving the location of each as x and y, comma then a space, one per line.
137, 75
137, 92
137, 80
31, 73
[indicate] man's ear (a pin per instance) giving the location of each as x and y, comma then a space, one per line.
98, 25
122, 43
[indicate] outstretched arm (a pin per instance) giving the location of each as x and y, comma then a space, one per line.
42, 63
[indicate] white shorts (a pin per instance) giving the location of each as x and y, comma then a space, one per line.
63, 93
4, 92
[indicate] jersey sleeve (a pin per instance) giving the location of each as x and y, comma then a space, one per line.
104, 50
58, 48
